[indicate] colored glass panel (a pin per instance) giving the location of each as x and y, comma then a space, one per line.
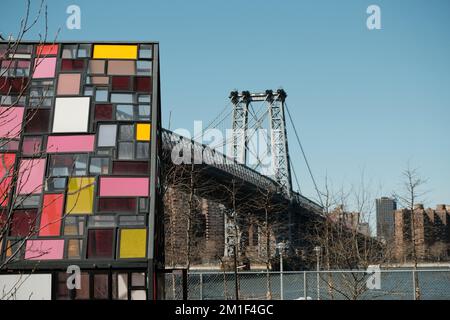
133, 243
47, 49
6, 174
104, 51
11, 121
44, 249
80, 195
52, 209
117, 204
31, 146
126, 68
69, 84
23, 223
121, 83
143, 132
37, 121
31, 176
74, 248
130, 167
44, 68
126, 187
72, 143
100, 244
143, 84
72, 65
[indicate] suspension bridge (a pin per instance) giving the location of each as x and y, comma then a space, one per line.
255, 118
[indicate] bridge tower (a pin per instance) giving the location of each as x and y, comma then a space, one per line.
271, 107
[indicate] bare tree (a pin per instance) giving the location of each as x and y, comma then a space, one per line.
15, 81
343, 246
272, 222
185, 186
410, 196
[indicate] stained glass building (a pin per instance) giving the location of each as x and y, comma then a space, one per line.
79, 166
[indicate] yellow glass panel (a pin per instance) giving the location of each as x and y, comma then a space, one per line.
80, 195
133, 243
115, 51
143, 132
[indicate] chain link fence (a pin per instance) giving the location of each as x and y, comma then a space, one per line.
311, 285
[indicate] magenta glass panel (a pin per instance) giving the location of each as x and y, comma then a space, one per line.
44, 68
44, 249
73, 143
31, 176
126, 187
10, 121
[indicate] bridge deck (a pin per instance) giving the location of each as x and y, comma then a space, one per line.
223, 164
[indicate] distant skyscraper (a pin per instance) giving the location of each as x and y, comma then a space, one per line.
385, 218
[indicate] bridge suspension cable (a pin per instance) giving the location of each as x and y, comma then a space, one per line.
304, 155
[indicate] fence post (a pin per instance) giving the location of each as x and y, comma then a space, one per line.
184, 279
305, 286
414, 283
201, 286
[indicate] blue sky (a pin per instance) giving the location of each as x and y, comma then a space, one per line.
362, 100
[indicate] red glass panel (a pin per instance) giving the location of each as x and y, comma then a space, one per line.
72, 65
47, 49
100, 244
130, 167
117, 205
121, 83
103, 112
52, 209
143, 84
23, 222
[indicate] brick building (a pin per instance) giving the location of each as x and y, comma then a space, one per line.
432, 234
208, 235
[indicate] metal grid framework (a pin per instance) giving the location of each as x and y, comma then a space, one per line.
240, 125
274, 102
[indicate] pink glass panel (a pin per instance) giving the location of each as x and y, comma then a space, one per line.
44, 249
45, 68
126, 187
84, 143
31, 175
10, 121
